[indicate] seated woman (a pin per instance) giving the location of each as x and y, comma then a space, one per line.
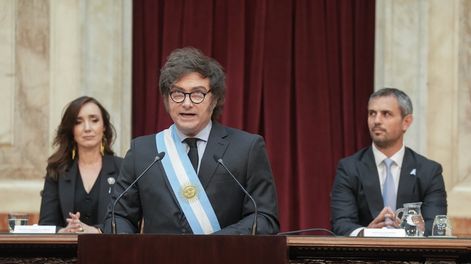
82, 170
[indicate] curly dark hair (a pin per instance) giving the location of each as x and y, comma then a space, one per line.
61, 159
187, 60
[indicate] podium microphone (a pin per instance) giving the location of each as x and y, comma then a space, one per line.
254, 225
113, 219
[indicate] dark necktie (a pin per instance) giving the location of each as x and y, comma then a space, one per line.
193, 153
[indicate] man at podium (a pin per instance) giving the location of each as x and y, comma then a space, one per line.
371, 184
189, 186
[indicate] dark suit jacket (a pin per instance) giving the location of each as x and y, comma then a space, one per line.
154, 201
356, 194
58, 196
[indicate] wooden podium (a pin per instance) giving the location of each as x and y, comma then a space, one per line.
177, 249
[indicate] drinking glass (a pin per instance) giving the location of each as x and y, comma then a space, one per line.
441, 226
15, 219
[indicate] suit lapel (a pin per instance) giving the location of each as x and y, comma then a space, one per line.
108, 171
215, 147
67, 190
407, 179
370, 179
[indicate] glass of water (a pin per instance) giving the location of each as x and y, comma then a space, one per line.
441, 226
15, 219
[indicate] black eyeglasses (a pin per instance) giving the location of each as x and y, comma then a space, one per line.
195, 97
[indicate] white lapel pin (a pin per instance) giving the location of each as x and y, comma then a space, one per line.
412, 172
111, 181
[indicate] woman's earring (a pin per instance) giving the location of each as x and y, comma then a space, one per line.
73, 153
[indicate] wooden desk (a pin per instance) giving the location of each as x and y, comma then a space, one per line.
303, 249
26, 248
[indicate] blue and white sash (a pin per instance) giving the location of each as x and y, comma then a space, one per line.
186, 184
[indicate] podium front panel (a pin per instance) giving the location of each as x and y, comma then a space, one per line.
175, 249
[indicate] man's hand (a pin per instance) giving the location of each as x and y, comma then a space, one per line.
386, 218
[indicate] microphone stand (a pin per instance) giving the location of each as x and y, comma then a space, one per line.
113, 218
254, 224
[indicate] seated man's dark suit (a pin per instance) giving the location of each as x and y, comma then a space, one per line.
154, 201
356, 195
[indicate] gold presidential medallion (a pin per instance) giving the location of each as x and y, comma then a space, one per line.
189, 192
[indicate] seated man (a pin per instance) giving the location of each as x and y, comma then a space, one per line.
189, 190
370, 184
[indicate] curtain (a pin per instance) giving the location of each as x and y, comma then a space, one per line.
299, 73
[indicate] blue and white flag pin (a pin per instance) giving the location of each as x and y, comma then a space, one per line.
412, 172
